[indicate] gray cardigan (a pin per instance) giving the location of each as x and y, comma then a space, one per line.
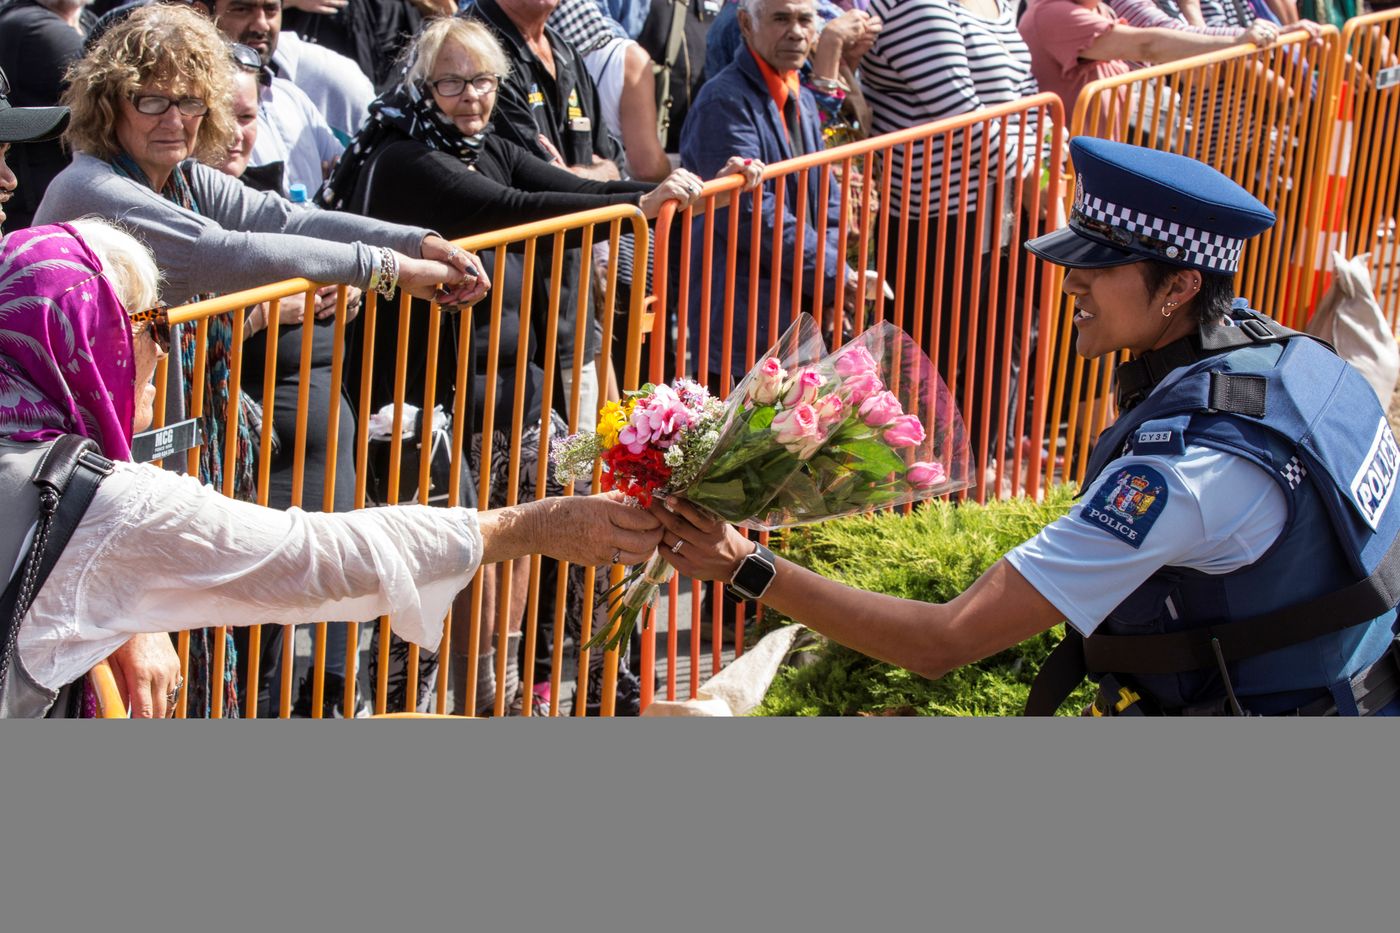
240, 239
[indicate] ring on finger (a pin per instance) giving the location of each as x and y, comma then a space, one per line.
676, 548
617, 556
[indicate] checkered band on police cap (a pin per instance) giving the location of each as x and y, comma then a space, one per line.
1139, 231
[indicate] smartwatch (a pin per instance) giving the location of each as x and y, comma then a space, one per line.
753, 576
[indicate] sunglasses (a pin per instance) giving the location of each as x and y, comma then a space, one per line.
153, 105
159, 320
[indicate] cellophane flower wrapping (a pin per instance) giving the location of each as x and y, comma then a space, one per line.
874, 426
805, 436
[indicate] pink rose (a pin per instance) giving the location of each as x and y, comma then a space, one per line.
904, 431
798, 430
803, 389
861, 386
880, 409
765, 387
925, 475
855, 360
830, 410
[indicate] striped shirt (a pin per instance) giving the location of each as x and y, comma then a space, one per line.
1227, 13
936, 59
1146, 14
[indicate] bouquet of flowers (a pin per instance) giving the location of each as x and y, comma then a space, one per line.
804, 437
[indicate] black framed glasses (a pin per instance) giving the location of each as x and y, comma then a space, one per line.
153, 105
454, 85
158, 319
245, 56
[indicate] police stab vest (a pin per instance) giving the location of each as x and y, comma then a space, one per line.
1314, 426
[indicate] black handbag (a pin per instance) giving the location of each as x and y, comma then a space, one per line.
67, 478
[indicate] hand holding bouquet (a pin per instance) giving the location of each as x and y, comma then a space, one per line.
804, 437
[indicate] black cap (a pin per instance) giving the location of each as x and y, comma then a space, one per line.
28, 124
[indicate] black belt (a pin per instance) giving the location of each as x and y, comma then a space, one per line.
1373, 689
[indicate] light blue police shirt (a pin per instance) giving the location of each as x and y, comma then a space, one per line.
1205, 509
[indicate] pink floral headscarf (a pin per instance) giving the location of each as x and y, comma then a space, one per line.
65, 343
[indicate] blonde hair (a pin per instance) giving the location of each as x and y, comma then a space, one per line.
423, 52
157, 42
126, 262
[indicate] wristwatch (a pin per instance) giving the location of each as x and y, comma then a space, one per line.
753, 576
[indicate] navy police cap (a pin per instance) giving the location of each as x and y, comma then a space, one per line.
1132, 203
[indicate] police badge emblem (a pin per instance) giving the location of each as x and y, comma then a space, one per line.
1127, 505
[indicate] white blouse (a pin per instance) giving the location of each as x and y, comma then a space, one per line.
159, 552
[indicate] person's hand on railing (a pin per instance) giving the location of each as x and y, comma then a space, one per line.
1262, 33
751, 169
681, 186
464, 282
327, 7
147, 671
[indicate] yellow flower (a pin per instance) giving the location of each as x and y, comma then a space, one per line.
611, 420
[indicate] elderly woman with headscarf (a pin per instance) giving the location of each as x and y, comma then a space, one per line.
151, 101
159, 552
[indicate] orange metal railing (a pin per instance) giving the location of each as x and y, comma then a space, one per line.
1359, 213
420, 336
1276, 120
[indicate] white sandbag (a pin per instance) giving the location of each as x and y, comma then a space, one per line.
1349, 318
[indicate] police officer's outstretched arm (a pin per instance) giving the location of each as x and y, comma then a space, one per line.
999, 610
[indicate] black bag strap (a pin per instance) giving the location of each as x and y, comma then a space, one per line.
675, 41
67, 477
1062, 671
1195, 649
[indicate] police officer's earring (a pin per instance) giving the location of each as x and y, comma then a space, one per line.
1165, 307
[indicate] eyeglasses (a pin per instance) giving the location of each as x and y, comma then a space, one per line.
245, 56
454, 85
159, 320
153, 105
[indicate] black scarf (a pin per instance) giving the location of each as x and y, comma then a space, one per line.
410, 110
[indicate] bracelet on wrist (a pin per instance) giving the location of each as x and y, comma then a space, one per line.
832, 86
385, 276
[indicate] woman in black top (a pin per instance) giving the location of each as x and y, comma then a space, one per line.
427, 152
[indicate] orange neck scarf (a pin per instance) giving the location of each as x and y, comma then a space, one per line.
780, 86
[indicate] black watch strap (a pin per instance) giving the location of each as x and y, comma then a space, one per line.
753, 576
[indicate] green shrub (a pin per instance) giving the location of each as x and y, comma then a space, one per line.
932, 554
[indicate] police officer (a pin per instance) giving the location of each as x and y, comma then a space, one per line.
1233, 552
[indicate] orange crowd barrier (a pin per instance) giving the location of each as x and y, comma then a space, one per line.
1361, 216
430, 348
933, 217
